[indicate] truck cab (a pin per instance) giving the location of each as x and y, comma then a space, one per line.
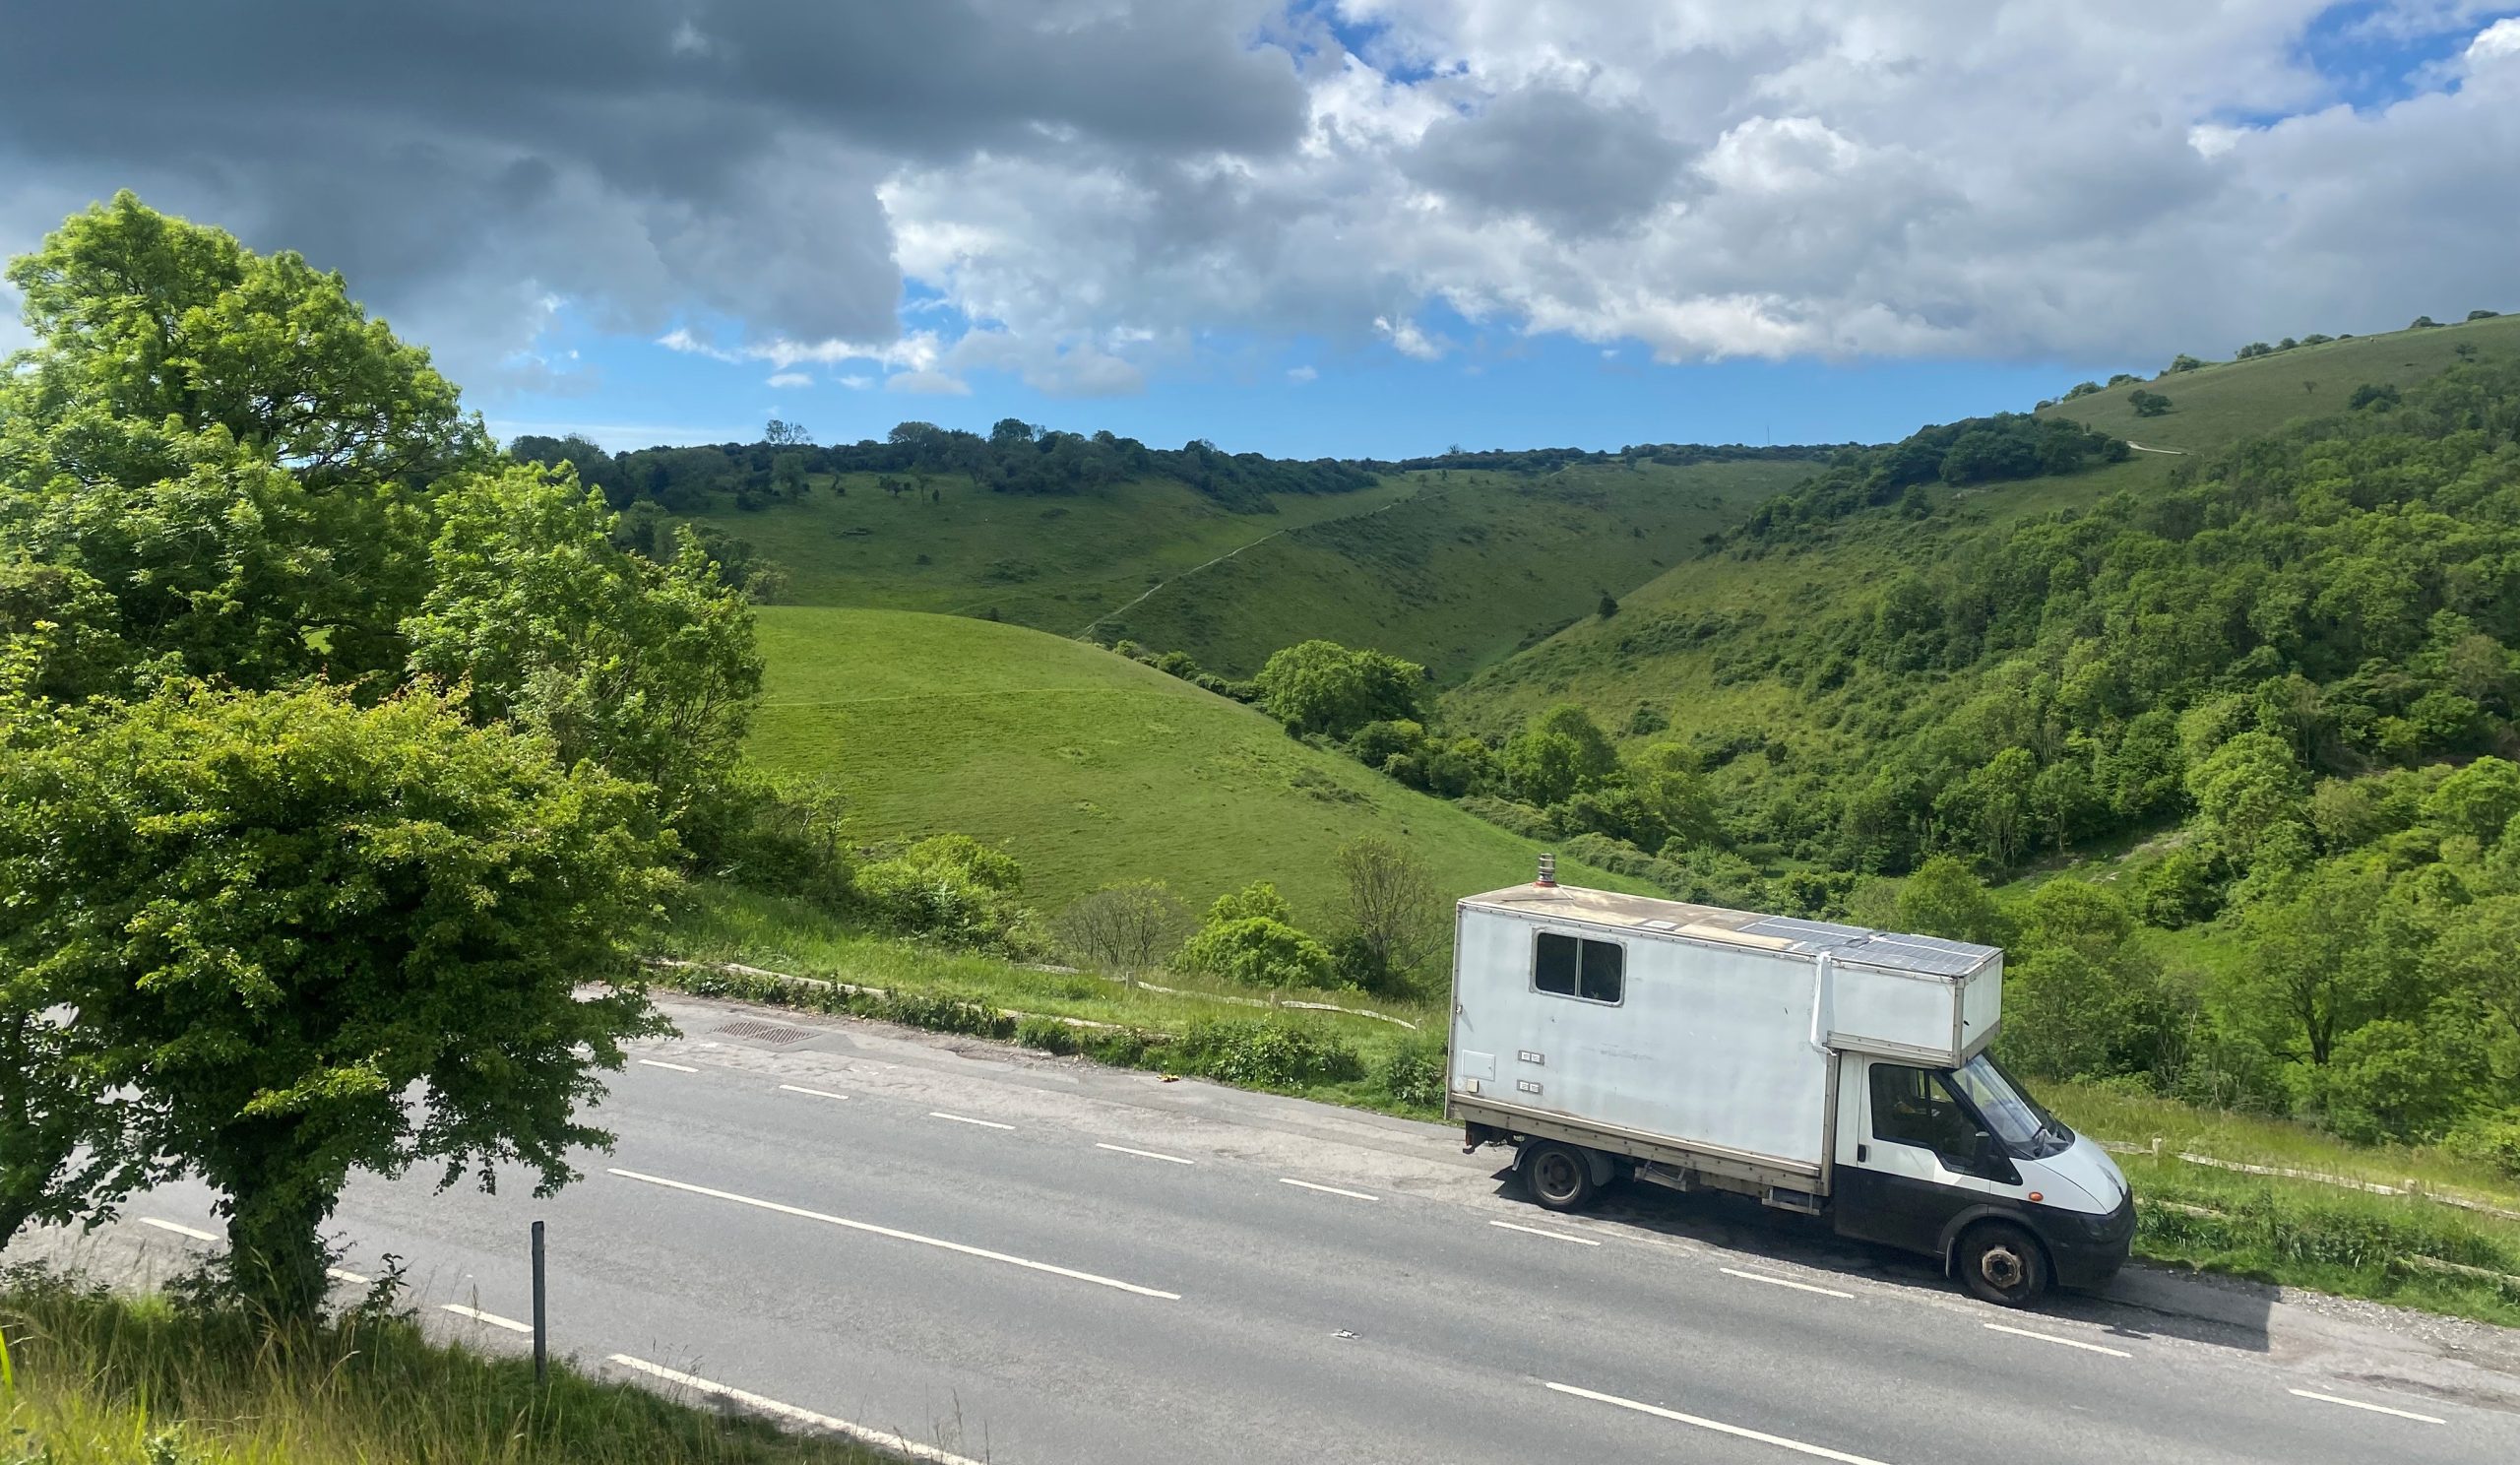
1823, 1068
1962, 1163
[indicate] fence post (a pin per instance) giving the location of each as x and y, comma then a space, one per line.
542, 1333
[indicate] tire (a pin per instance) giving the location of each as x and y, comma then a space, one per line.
2002, 1264
1560, 1177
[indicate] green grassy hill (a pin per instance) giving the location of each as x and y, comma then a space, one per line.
1087, 767
1690, 644
1472, 566
2214, 407
1053, 562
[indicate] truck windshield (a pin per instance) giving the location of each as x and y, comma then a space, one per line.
2026, 1129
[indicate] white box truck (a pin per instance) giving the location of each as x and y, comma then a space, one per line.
1821, 1069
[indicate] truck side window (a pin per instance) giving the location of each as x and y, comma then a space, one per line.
1572, 967
1912, 1107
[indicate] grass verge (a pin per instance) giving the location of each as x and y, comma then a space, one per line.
91, 1377
1203, 1027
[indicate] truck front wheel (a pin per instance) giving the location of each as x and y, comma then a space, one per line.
2002, 1264
1560, 1176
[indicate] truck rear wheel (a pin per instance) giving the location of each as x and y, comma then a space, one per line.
1560, 1176
2002, 1264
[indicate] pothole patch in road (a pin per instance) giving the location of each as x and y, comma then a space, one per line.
777, 1035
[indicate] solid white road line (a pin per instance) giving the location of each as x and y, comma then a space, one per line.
938, 1113
1554, 1235
2053, 1338
899, 1236
195, 1233
492, 1319
1144, 1154
1328, 1190
662, 1063
1718, 1425
2374, 1408
817, 1092
340, 1275
879, 1439
1784, 1282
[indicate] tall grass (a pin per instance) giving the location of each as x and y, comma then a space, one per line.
89, 1378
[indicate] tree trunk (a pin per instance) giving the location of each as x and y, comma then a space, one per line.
274, 1256
32, 1156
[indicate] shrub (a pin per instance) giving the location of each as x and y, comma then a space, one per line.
2148, 404
951, 888
1528, 821
1265, 1052
1130, 927
2372, 394
1412, 1071
1260, 951
2489, 1139
1049, 1035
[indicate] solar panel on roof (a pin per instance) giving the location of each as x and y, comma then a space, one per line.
1931, 955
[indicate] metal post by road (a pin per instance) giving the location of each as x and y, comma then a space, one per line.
541, 1332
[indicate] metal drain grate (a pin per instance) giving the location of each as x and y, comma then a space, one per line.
765, 1032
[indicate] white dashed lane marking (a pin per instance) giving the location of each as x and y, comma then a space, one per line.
1782, 1282
912, 1237
1144, 1154
1737, 1431
492, 1319
2053, 1338
879, 1439
817, 1092
938, 1113
2405, 1414
1554, 1235
1328, 1190
662, 1063
194, 1232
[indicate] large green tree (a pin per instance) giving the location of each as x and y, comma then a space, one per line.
1322, 686
226, 445
318, 937
648, 669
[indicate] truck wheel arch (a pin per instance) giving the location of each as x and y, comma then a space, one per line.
1958, 1226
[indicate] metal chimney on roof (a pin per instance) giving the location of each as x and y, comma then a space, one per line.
1548, 873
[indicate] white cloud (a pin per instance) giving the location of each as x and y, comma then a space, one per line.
1407, 339
2495, 43
790, 379
928, 384
857, 382
1086, 194
1301, 374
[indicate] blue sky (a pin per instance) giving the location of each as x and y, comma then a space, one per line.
1364, 401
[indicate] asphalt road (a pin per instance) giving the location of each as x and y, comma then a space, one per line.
1027, 1260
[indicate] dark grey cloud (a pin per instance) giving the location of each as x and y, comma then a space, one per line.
1554, 154
460, 159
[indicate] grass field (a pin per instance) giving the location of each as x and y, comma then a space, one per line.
2214, 407
88, 1379
1052, 563
1085, 766
1472, 567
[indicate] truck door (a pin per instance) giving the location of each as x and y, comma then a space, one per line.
1913, 1158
